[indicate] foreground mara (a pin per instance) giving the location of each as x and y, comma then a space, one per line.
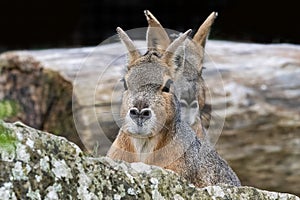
152, 131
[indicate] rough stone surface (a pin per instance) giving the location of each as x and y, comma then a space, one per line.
261, 135
255, 88
45, 166
43, 96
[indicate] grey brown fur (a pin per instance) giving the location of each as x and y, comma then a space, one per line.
191, 88
153, 131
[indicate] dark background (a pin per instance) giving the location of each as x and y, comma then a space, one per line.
38, 24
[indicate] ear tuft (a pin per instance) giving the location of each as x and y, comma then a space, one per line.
170, 52
152, 21
202, 34
133, 53
157, 37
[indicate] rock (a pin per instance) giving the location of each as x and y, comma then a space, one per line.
261, 136
39, 165
42, 95
254, 90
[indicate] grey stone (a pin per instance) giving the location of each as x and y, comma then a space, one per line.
45, 166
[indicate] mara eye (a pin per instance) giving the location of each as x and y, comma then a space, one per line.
183, 104
166, 89
167, 86
194, 105
124, 83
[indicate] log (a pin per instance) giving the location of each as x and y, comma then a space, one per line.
254, 90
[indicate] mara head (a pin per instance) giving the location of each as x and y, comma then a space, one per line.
148, 103
188, 79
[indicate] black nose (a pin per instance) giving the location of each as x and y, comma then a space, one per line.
134, 113
143, 114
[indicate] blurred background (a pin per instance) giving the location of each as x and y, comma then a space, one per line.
35, 24
260, 139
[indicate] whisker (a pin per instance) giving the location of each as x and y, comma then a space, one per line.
206, 116
120, 120
108, 112
216, 116
161, 125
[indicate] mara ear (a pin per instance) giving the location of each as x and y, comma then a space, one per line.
157, 37
202, 34
133, 53
170, 53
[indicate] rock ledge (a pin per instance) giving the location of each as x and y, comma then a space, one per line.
39, 165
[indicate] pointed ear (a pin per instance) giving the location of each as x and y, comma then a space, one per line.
169, 54
201, 36
133, 53
157, 37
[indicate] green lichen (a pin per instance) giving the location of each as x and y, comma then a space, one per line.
7, 139
8, 109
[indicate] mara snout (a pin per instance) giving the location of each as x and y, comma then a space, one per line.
189, 111
146, 100
140, 119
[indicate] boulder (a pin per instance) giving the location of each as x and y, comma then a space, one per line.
39, 165
261, 90
43, 97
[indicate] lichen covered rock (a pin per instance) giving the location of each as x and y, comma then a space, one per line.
39, 165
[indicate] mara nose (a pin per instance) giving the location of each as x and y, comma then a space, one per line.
143, 114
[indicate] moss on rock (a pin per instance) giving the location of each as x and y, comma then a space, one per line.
45, 166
